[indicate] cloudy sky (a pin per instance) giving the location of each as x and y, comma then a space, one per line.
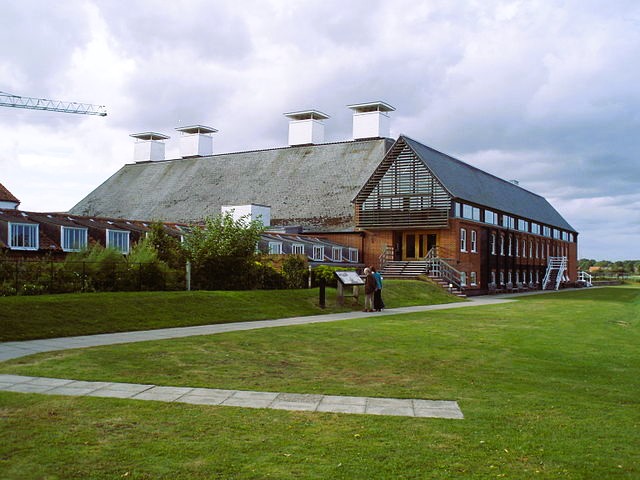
545, 92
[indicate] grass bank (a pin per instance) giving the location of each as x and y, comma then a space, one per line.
548, 386
50, 316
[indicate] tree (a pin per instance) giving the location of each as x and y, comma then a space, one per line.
222, 254
168, 247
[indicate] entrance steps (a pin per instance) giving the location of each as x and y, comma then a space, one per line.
397, 269
413, 270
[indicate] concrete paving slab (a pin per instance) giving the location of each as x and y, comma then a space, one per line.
163, 394
237, 398
340, 408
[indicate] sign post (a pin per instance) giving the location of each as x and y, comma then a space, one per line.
348, 279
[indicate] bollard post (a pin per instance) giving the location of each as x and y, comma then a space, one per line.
322, 284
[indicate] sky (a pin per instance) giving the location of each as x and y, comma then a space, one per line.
543, 92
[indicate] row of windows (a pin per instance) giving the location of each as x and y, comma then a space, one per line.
510, 277
463, 210
26, 236
523, 248
317, 254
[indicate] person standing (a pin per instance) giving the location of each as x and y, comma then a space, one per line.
378, 304
369, 289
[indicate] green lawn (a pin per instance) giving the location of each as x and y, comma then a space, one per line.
50, 316
548, 385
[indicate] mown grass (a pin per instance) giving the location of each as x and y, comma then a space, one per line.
50, 316
548, 385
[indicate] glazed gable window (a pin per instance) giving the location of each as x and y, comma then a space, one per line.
24, 236
118, 240
297, 249
353, 255
336, 254
318, 253
73, 239
275, 248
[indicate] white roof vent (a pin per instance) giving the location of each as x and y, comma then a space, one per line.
306, 127
252, 212
371, 120
196, 141
149, 146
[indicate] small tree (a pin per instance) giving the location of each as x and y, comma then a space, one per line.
167, 246
222, 254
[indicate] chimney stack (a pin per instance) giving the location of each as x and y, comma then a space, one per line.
306, 127
371, 120
149, 146
196, 141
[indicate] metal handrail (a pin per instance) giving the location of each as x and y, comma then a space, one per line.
439, 267
385, 256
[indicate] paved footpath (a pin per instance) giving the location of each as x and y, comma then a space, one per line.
211, 396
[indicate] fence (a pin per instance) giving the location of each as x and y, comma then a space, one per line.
34, 277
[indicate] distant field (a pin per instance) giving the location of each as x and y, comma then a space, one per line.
548, 385
49, 316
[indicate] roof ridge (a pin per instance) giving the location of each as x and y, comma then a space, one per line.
468, 165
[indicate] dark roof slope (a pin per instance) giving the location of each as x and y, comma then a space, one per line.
466, 182
310, 185
6, 195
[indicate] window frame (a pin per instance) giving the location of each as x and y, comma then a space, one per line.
109, 242
315, 256
33, 237
63, 238
463, 240
333, 254
277, 246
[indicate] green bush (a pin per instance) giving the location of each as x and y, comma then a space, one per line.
295, 270
328, 274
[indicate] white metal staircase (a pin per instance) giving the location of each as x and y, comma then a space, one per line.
556, 269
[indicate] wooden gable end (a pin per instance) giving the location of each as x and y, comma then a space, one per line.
402, 193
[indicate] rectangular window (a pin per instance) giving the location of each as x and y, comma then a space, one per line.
508, 222
118, 240
474, 241
457, 209
501, 245
275, 248
336, 254
318, 253
493, 244
73, 239
463, 279
523, 225
463, 240
501, 277
297, 249
24, 236
472, 213
524, 248
517, 247
510, 245
353, 255
535, 228
472, 278
546, 231
490, 217
493, 277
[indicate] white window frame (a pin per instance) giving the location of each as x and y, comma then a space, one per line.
501, 277
463, 239
524, 248
493, 244
463, 279
318, 253
510, 247
474, 241
353, 255
297, 249
117, 247
32, 238
473, 278
84, 233
502, 245
336, 254
275, 248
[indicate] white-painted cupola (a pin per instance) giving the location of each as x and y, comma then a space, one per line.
149, 146
306, 127
371, 120
196, 141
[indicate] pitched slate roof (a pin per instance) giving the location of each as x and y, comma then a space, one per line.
466, 182
310, 185
6, 195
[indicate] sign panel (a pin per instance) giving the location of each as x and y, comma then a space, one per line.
349, 278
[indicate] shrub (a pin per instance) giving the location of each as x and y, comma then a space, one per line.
295, 270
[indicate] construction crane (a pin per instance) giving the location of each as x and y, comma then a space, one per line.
16, 101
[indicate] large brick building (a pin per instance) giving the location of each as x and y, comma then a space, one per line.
392, 200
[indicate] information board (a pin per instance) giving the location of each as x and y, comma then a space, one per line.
349, 278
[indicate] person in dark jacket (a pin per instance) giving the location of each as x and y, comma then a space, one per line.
369, 289
378, 304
